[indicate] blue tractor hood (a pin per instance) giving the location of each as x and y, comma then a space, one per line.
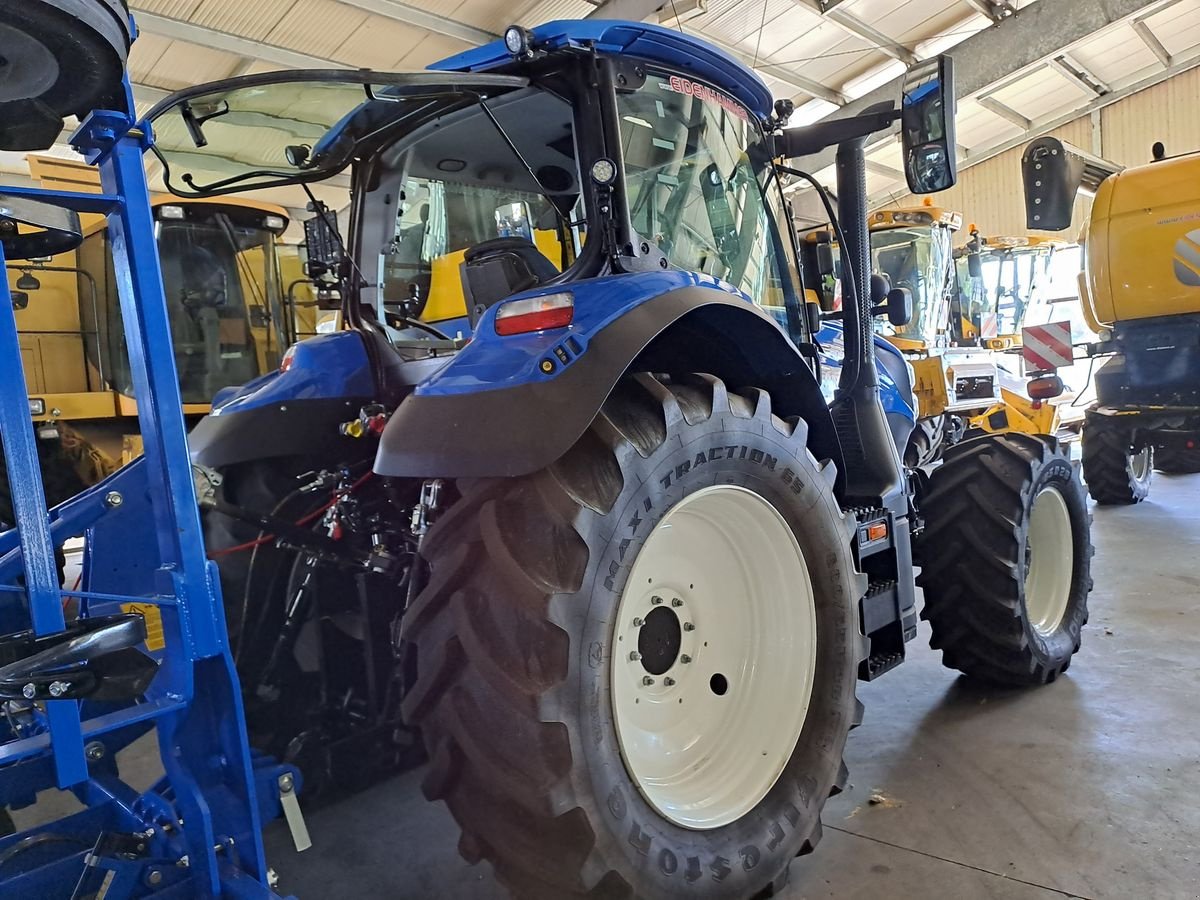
678, 52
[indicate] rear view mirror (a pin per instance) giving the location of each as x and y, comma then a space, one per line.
514, 220
20, 299
927, 126
974, 265
899, 307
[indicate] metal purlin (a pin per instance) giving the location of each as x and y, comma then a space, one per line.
209, 789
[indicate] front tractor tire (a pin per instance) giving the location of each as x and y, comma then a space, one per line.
1116, 472
1005, 559
636, 667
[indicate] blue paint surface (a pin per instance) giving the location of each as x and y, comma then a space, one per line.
894, 397
322, 367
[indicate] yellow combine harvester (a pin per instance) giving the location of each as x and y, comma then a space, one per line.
1140, 291
222, 282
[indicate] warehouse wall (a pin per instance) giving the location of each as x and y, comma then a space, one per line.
989, 194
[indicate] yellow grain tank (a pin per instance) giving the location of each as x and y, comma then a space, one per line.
1143, 243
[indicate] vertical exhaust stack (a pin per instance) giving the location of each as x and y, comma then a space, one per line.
1054, 173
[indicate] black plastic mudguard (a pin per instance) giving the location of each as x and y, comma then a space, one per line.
294, 428
514, 431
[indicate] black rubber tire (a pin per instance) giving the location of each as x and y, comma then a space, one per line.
1177, 460
926, 443
1108, 464
973, 555
513, 638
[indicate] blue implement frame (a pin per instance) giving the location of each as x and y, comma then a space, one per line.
197, 832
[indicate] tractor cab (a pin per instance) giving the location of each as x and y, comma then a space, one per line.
1006, 282
912, 249
221, 280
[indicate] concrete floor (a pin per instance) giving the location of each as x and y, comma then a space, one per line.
1086, 788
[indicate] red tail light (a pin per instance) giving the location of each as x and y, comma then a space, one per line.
535, 314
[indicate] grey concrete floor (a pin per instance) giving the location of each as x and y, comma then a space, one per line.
1087, 788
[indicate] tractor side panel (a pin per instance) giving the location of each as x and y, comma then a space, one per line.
508, 406
292, 411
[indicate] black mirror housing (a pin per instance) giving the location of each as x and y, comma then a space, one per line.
927, 126
899, 307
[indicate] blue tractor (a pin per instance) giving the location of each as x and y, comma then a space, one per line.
564, 492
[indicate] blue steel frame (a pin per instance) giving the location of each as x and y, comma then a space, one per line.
144, 547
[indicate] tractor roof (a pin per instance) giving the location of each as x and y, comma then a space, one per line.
673, 50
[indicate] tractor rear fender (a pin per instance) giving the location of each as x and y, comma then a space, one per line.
508, 406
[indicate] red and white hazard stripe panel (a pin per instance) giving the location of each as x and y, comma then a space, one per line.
1047, 347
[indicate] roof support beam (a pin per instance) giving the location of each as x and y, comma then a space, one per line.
884, 170
992, 9
1066, 66
991, 104
1150, 39
630, 10
855, 26
178, 30
419, 18
784, 74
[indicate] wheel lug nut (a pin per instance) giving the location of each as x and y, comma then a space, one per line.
685, 659
656, 600
668, 681
688, 626
676, 602
647, 680
638, 621
634, 656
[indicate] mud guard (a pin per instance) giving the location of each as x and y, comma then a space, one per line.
509, 425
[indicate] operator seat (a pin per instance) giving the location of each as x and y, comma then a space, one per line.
498, 268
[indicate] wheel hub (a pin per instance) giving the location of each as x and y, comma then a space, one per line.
714, 656
659, 639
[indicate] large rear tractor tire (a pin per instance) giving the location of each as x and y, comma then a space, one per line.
636, 667
1006, 559
1115, 472
1177, 460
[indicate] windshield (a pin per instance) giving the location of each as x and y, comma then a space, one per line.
916, 258
221, 283
258, 131
501, 175
1020, 286
697, 172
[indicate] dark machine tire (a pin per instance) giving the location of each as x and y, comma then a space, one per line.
926, 443
1177, 460
1006, 559
1114, 472
524, 637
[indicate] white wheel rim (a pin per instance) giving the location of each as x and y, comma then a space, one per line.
725, 564
1051, 562
1140, 463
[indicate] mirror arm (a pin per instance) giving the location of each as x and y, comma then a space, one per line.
797, 142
